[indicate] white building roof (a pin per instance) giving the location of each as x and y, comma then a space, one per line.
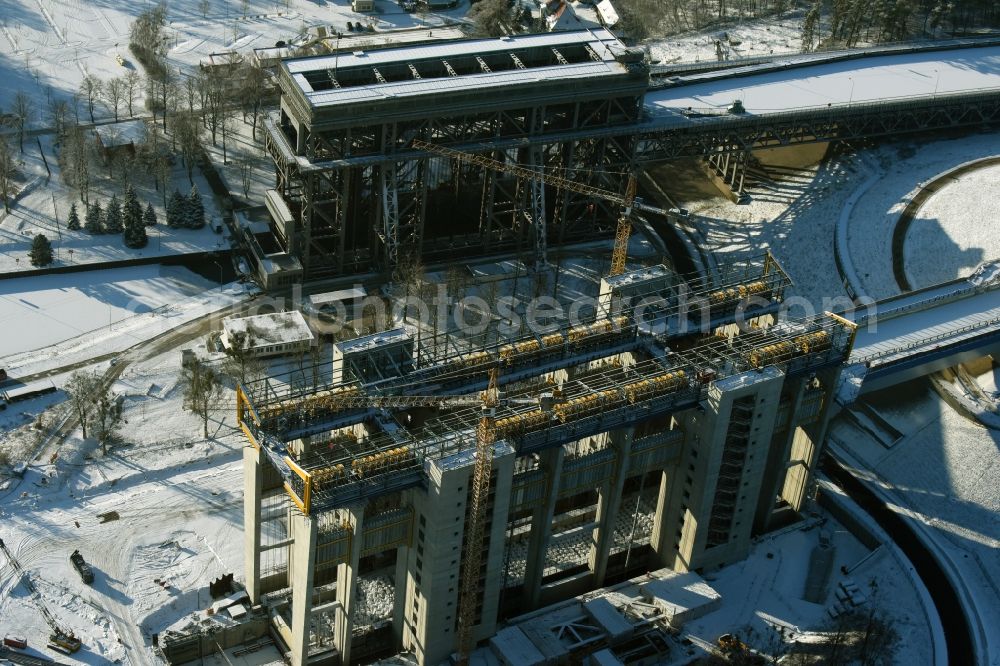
679, 593
352, 294
270, 329
121, 134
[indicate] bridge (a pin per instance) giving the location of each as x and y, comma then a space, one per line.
923, 331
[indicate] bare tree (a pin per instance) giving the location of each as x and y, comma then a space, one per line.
132, 82
78, 162
114, 95
253, 81
226, 127
22, 114
242, 364
203, 7
107, 417
187, 133
246, 163
163, 171
90, 89
8, 173
202, 391
59, 116
83, 389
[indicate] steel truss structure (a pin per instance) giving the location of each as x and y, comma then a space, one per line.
363, 199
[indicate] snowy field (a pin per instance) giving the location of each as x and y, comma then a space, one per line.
42, 311
946, 238
48, 46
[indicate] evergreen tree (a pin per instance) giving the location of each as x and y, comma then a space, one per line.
113, 216
94, 216
132, 209
135, 233
149, 217
196, 209
176, 210
73, 222
41, 251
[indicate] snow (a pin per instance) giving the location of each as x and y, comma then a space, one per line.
179, 498
943, 474
945, 239
765, 590
758, 37
901, 169
270, 329
42, 311
47, 46
841, 83
43, 207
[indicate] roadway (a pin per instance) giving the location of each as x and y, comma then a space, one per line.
874, 79
923, 331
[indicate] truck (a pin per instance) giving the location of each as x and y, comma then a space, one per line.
82, 568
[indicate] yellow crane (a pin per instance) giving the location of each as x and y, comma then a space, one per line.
626, 201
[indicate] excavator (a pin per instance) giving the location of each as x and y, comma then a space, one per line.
59, 640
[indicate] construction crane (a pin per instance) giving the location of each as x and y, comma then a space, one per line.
469, 585
488, 400
62, 641
626, 201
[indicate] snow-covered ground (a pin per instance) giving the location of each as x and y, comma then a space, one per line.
946, 238
42, 311
759, 37
179, 498
796, 215
899, 170
44, 204
48, 46
765, 590
944, 474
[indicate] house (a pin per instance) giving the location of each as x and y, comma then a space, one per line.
119, 137
269, 334
363, 5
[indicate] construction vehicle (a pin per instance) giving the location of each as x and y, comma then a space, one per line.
626, 201
732, 646
59, 640
82, 568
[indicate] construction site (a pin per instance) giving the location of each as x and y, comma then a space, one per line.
488, 475
430, 483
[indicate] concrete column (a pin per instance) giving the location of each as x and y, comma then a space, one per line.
303, 560
777, 458
662, 521
252, 483
401, 591
347, 587
608, 503
541, 526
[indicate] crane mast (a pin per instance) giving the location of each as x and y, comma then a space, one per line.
469, 586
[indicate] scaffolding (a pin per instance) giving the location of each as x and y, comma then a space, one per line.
390, 456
